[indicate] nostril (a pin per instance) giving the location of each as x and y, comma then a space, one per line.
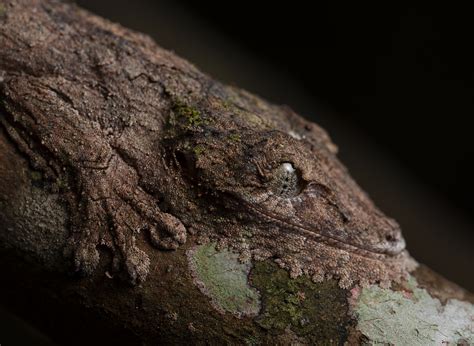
391, 238
394, 244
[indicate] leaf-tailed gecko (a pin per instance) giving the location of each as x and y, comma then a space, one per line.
139, 141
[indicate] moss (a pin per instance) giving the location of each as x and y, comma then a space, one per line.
61, 183
252, 119
316, 311
412, 317
198, 150
227, 104
234, 137
36, 176
191, 115
2, 10
38, 180
221, 276
252, 341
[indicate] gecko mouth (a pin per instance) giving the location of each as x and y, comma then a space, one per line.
333, 241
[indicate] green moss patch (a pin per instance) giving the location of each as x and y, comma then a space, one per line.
198, 150
316, 311
191, 115
36, 176
234, 137
223, 278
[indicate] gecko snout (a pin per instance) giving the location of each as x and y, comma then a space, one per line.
393, 243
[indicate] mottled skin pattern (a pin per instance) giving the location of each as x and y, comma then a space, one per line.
140, 142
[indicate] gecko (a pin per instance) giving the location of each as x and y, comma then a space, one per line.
140, 143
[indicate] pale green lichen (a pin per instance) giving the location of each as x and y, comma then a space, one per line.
412, 317
222, 277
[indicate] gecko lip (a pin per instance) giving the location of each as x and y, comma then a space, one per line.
390, 247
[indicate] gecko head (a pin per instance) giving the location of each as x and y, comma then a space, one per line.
291, 184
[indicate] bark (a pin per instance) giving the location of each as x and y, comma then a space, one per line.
196, 293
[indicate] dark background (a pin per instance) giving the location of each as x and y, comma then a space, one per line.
393, 85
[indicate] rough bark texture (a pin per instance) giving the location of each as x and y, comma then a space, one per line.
102, 135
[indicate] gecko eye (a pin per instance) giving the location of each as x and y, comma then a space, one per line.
286, 181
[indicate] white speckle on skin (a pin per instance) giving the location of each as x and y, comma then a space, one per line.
288, 167
295, 135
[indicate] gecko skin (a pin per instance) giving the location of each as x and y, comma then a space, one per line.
138, 141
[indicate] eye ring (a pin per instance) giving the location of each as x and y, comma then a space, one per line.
286, 181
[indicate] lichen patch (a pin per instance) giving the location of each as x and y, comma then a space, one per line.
222, 277
411, 317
